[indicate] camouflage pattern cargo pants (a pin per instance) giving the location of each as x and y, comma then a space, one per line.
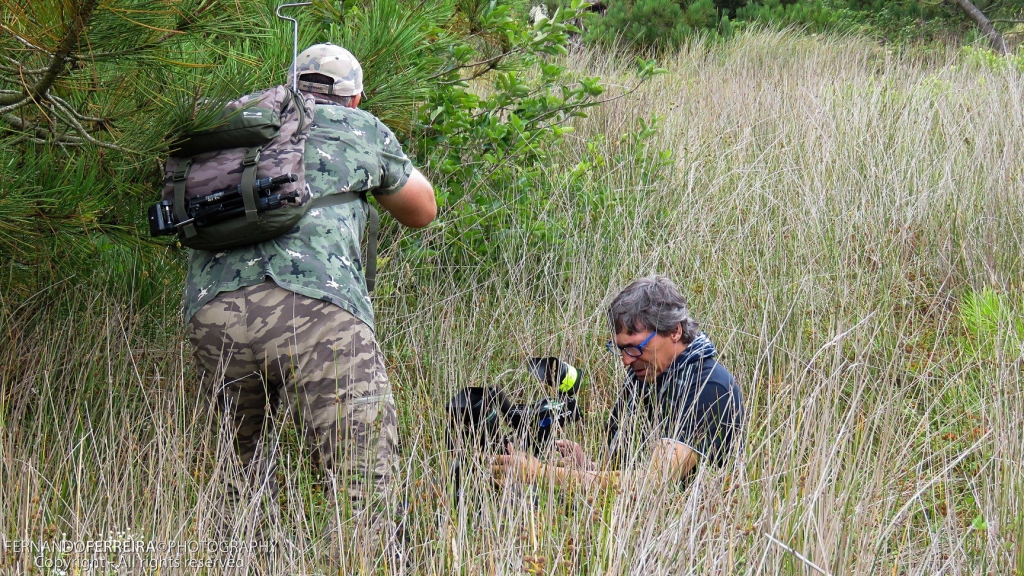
263, 350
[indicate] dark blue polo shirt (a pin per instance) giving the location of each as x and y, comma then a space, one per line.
696, 401
705, 414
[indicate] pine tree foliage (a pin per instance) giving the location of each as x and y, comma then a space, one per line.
81, 71
659, 24
88, 91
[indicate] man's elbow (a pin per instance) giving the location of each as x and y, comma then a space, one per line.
416, 205
423, 216
674, 458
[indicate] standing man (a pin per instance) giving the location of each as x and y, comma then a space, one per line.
287, 324
674, 385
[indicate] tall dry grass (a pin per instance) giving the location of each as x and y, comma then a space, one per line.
829, 208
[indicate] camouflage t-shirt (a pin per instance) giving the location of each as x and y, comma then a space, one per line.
347, 150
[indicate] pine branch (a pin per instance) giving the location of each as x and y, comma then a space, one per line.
75, 113
12, 70
40, 134
18, 68
76, 27
68, 115
15, 105
22, 40
490, 64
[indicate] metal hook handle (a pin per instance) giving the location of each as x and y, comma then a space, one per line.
295, 37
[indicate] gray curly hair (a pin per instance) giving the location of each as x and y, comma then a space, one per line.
652, 303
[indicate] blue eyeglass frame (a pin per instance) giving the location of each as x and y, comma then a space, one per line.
612, 346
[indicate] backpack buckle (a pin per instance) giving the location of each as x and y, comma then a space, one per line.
181, 172
252, 156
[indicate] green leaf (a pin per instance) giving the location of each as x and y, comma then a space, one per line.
979, 523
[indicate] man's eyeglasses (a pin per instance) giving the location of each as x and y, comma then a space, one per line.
631, 351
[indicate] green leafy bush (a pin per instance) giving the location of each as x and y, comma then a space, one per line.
492, 128
909, 20
666, 24
979, 58
660, 24
814, 16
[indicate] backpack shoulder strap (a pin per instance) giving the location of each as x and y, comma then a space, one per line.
372, 229
179, 178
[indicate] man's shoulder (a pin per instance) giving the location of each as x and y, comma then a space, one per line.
718, 375
334, 117
717, 383
349, 128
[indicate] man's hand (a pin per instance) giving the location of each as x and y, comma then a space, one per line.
574, 455
520, 466
515, 466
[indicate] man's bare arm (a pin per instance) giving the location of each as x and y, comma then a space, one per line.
414, 204
670, 461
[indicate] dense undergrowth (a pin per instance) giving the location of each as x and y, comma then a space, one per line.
845, 218
665, 24
847, 223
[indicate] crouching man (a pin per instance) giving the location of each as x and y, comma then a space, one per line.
674, 387
286, 327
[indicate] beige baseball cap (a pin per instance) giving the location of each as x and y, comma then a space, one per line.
334, 62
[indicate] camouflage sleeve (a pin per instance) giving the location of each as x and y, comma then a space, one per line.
395, 166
